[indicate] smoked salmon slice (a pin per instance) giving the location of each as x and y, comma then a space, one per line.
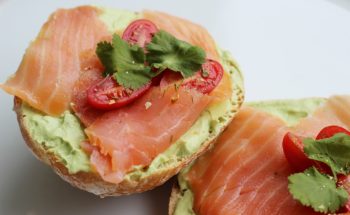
136, 134
51, 64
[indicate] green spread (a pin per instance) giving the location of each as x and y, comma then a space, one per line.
59, 135
184, 205
291, 111
117, 20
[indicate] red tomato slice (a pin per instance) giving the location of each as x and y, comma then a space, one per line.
140, 32
330, 131
206, 79
294, 152
108, 95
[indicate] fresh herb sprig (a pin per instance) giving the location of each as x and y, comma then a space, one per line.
125, 62
131, 65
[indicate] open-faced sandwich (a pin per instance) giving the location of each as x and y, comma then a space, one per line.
279, 157
117, 102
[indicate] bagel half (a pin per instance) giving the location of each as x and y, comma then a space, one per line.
145, 178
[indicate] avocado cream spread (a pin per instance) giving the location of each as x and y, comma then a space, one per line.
117, 20
290, 111
59, 135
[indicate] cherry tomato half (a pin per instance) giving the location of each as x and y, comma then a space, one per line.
108, 95
140, 32
293, 149
330, 131
206, 79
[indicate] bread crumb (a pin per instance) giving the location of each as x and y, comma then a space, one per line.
148, 105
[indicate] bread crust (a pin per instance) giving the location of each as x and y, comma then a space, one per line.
174, 198
91, 181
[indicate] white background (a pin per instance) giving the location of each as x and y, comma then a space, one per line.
286, 49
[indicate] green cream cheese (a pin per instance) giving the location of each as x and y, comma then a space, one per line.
59, 135
184, 205
117, 20
290, 111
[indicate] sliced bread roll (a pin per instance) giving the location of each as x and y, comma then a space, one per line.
55, 135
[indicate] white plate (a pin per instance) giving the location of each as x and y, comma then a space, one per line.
287, 49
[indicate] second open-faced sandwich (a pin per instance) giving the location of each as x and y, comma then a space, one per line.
117, 102
278, 157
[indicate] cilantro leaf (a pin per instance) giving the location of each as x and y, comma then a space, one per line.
105, 53
316, 190
131, 69
165, 51
126, 63
333, 151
